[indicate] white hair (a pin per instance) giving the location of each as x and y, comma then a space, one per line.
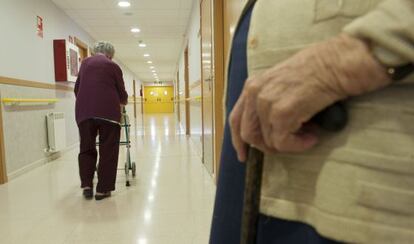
104, 47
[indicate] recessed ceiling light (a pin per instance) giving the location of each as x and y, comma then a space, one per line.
146, 55
124, 4
153, 71
142, 45
135, 30
149, 62
152, 67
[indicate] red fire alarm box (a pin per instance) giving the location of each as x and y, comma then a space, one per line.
66, 57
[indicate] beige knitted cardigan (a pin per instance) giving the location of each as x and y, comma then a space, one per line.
357, 185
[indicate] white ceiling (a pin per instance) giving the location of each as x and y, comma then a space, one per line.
163, 24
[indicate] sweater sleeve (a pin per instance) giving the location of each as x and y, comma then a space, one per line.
77, 85
389, 28
120, 85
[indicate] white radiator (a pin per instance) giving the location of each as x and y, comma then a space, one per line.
56, 131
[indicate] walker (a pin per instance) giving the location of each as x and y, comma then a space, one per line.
129, 166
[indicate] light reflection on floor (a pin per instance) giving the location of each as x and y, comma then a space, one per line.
170, 200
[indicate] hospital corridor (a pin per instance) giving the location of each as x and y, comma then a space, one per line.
206, 121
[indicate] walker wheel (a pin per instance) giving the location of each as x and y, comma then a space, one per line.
127, 184
134, 169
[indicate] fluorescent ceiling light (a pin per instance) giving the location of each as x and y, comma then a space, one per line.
153, 71
149, 62
142, 45
124, 4
135, 30
152, 67
146, 55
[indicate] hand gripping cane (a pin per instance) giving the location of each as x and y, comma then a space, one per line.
334, 118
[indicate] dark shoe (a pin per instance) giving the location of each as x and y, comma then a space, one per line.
88, 193
100, 196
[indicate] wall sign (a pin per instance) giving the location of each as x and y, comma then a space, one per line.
66, 57
39, 26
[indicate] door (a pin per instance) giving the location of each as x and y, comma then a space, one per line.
158, 99
207, 83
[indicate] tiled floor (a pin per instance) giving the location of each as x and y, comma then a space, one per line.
169, 202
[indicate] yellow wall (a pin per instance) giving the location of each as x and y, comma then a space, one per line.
158, 99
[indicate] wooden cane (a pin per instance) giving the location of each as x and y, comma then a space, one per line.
333, 118
254, 169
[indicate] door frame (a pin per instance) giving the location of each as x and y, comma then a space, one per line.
134, 97
178, 97
3, 170
219, 79
187, 92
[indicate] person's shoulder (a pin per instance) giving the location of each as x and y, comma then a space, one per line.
94, 59
115, 65
86, 60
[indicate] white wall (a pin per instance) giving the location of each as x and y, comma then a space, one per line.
194, 48
25, 55
29, 57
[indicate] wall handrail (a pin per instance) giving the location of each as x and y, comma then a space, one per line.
196, 98
18, 101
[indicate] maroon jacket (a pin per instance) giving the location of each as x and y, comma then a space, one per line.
99, 90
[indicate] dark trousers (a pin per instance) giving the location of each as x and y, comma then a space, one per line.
109, 135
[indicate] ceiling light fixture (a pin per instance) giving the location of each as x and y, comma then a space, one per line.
146, 55
135, 30
142, 45
153, 71
124, 4
152, 67
149, 62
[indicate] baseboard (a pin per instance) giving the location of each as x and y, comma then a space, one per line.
38, 163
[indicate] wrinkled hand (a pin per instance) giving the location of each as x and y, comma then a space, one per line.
275, 106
